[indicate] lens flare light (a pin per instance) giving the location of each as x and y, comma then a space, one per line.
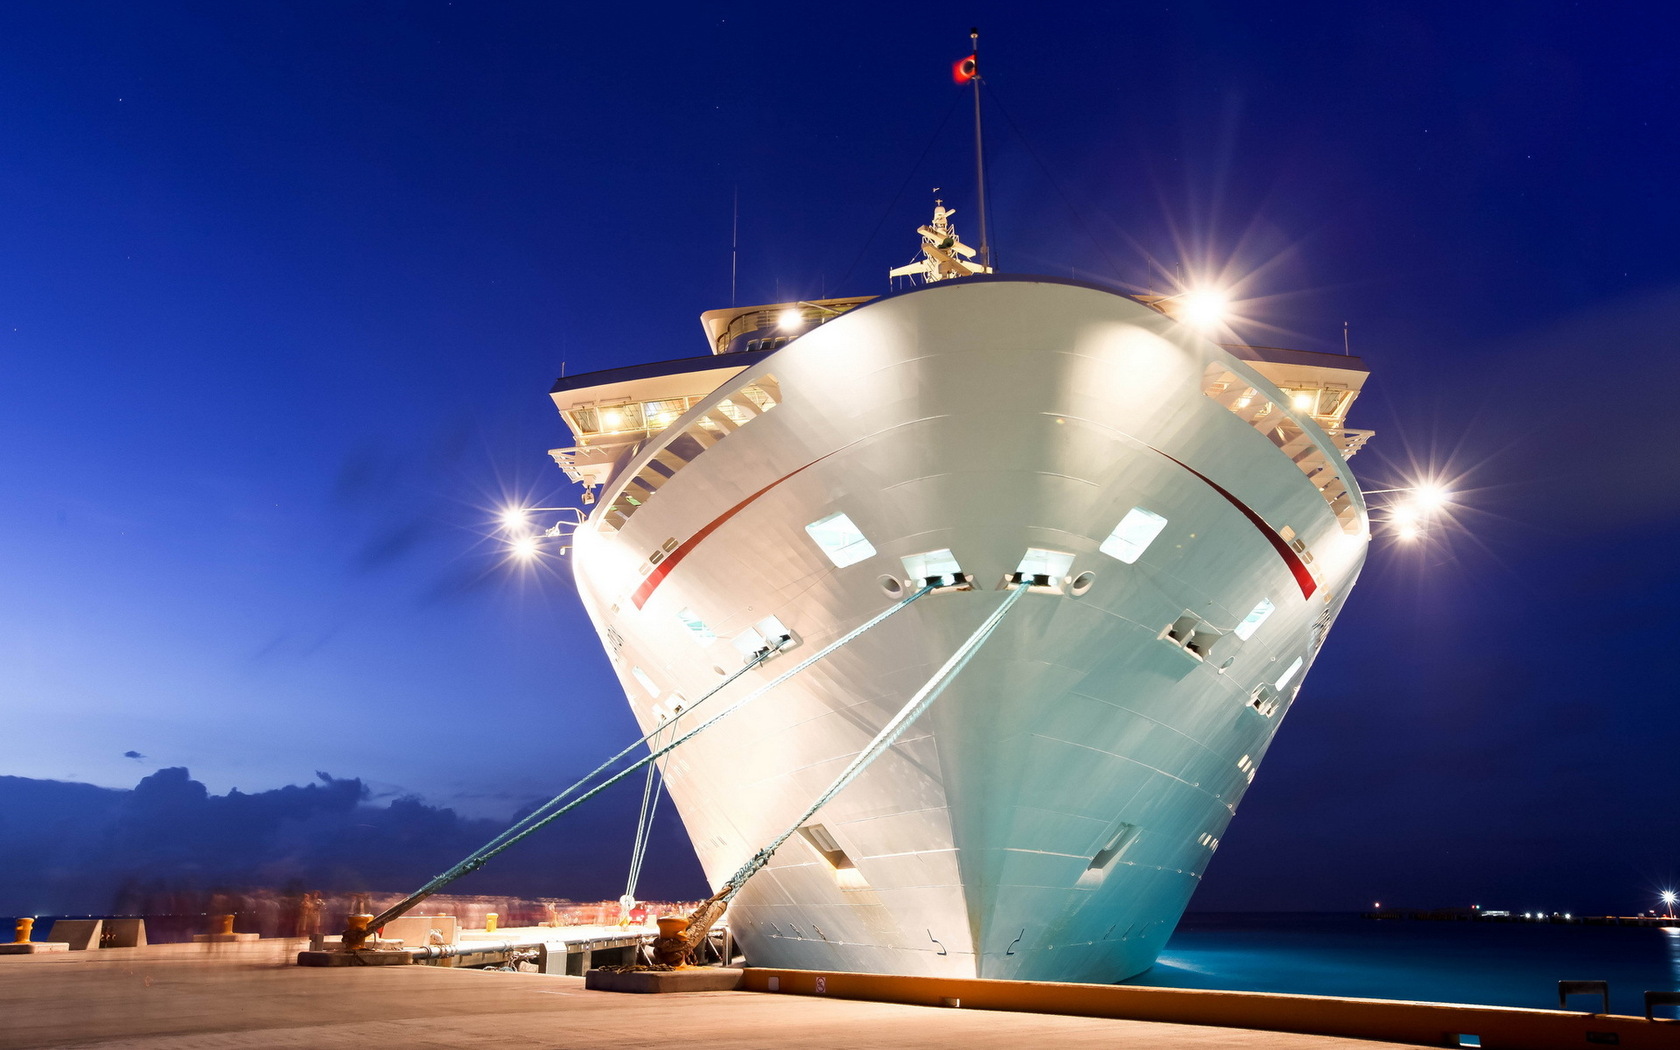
1203, 308
1431, 495
1413, 510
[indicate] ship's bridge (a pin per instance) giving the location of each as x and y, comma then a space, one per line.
1321, 386
613, 412
753, 328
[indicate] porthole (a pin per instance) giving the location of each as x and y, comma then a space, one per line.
1082, 583
892, 585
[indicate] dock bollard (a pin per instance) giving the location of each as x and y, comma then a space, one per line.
671, 946
490, 922
356, 930
25, 927
224, 924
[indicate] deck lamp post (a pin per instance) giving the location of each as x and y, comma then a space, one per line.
1410, 508
524, 544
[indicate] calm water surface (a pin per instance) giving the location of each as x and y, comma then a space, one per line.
1490, 963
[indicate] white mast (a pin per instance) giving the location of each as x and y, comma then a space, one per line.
944, 256
979, 152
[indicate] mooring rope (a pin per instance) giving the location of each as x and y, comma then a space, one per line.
531, 824
889, 734
644, 828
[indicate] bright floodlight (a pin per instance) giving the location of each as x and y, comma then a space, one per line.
1203, 308
1668, 897
1303, 402
1431, 496
1410, 532
525, 548
515, 518
1403, 513
791, 318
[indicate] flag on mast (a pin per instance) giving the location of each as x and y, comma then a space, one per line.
964, 69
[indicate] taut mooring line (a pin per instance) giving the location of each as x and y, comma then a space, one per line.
546, 814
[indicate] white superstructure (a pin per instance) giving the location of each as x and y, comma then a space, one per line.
1181, 511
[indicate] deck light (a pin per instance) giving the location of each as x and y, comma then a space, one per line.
1203, 308
791, 319
527, 540
1303, 402
1668, 898
1431, 496
1414, 510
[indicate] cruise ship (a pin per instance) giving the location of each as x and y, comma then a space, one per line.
1179, 511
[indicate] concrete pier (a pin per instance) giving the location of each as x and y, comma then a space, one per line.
215, 996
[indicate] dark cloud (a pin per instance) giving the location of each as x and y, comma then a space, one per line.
86, 843
137, 756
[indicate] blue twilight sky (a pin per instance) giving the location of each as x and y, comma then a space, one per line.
283, 288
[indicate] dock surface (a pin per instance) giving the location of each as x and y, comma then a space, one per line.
254, 996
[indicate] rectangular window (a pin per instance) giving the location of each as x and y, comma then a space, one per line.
585, 421
1136, 531
663, 413
619, 418
842, 541
1255, 618
696, 626
1284, 678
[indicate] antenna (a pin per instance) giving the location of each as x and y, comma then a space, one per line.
1346, 349
734, 245
979, 153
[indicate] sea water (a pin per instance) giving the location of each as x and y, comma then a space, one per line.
1482, 963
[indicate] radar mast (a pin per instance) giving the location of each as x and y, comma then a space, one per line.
944, 255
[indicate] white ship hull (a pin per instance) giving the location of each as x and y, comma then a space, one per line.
1052, 813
